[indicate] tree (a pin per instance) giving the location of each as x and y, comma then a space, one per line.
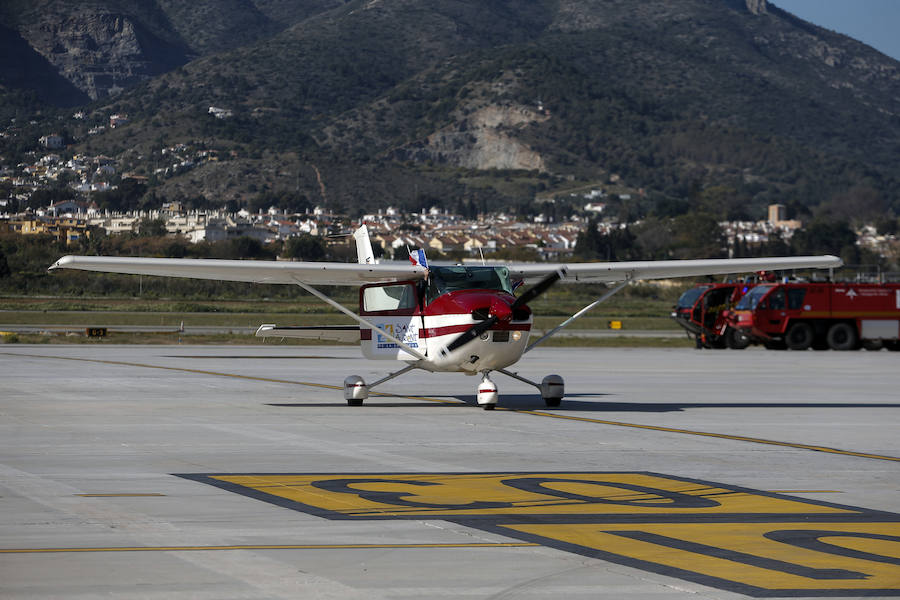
4, 266
245, 247
824, 237
305, 247
698, 235
587, 244
148, 227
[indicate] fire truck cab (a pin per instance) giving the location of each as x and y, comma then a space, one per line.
703, 310
840, 316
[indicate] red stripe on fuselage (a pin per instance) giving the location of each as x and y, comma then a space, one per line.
427, 332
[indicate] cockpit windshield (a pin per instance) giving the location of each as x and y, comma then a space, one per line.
752, 298
450, 279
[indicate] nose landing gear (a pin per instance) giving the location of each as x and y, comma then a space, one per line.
487, 393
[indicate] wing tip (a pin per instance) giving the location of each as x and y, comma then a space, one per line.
62, 263
834, 261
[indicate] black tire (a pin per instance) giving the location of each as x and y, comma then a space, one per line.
842, 336
892, 345
717, 342
800, 336
872, 345
355, 402
552, 402
736, 339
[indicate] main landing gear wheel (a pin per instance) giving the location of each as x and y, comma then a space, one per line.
355, 390
552, 390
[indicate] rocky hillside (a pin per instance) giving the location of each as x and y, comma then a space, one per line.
388, 98
102, 47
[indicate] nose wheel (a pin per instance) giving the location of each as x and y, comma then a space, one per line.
487, 393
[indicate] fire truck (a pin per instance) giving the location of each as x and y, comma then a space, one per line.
840, 316
703, 312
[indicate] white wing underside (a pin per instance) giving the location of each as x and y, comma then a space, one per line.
665, 269
325, 273
254, 271
333, 333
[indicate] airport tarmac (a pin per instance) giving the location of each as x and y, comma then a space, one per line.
239, 472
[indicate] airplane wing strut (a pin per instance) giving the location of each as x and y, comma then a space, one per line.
580, 313
358, 318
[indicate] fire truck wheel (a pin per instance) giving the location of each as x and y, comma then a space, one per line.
872, 345
799, 336
892, 345
736, 339
842, 336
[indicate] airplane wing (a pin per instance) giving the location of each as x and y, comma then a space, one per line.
255, 271
333, 333
663, 269
330, 273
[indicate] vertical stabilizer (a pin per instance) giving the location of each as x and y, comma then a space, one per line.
364, 253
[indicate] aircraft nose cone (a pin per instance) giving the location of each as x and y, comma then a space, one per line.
500, 309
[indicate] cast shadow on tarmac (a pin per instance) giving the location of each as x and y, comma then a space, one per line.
510, 401
526, 402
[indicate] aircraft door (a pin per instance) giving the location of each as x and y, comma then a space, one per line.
395, 308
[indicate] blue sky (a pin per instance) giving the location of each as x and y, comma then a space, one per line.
874, 22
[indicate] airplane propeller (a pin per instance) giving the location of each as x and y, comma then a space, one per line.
504, 313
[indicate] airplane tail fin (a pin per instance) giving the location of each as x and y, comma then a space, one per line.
364, 253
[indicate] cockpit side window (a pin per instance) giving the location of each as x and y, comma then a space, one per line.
776, 299
381, 298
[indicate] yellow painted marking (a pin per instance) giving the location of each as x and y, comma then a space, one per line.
535, 413
268, 547
742, 544
463, 494
117, 495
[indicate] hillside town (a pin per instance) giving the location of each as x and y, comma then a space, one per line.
80, 217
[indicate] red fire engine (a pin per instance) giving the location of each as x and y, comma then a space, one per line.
840, 316
703, 311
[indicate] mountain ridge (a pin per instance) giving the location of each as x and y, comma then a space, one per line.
667, 96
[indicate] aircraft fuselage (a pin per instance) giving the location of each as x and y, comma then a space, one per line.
428, 321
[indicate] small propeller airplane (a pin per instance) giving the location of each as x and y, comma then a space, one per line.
438, 318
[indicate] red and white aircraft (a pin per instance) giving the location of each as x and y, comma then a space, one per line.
457, 318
